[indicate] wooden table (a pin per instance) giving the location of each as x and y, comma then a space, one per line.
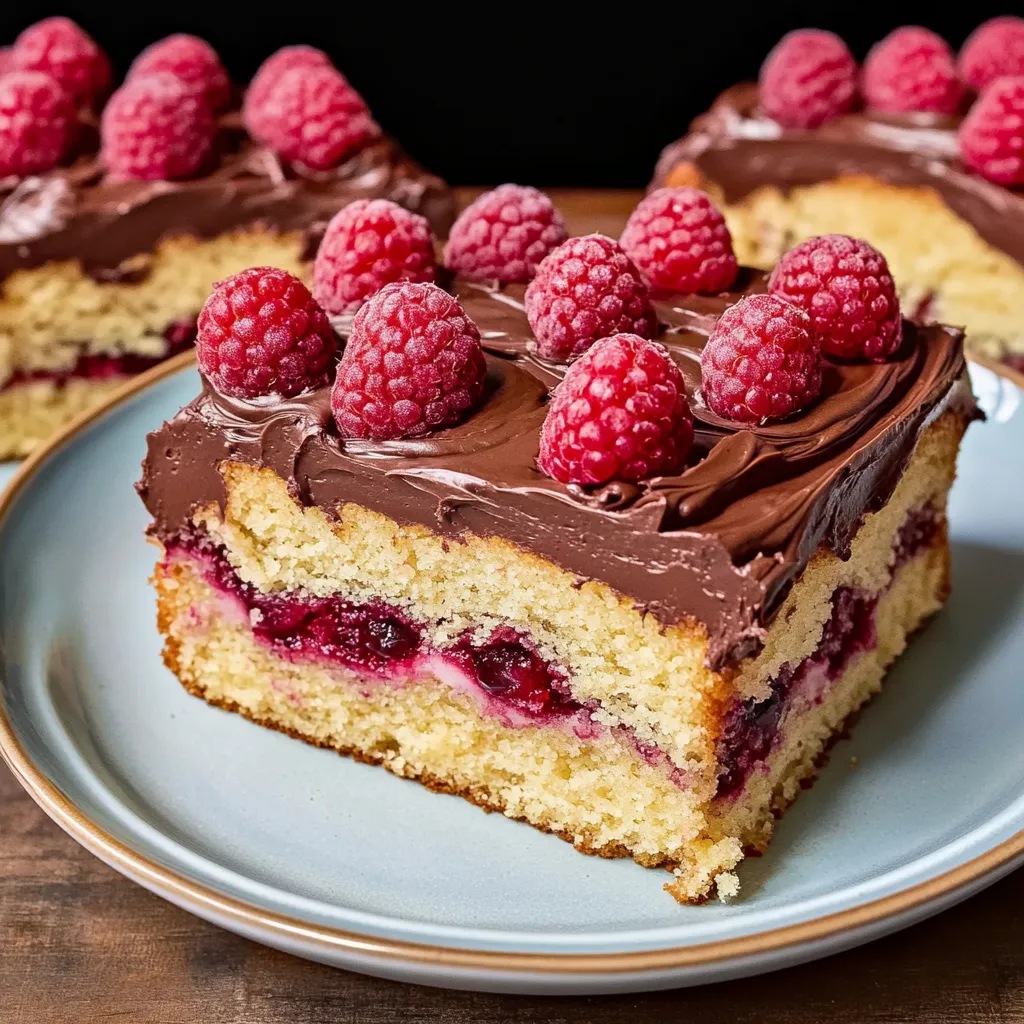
80, 943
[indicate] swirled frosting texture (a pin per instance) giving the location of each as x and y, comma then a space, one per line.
718, 544
739, 148
77, 213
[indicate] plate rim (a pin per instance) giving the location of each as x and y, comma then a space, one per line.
251, 919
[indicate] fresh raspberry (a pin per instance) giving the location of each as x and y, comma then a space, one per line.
844, 285
412, 364
809, 78
191, 59
679, 242
587, 289
992, 134
762, 361
6, 59
154, 127
621, 412
368, 244
503, 235
261, 332
60, 49
37, 123
993, 50
267, 75
911, 69
313, 117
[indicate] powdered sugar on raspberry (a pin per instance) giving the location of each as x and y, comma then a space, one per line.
313, 117
504, 234
991, 136
412, 364
261, 332
191, 59
620, 413
762, 361
679, 241
911, 69
369, 244
156, 128
61, 49
810, 77
993, 50
844, 285
587, 289
37, 123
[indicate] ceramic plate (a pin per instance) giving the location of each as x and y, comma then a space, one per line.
345, 864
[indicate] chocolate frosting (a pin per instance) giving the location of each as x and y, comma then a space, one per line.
719, 543
739, 148
110, 227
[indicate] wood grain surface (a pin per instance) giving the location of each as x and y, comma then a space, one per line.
80, 943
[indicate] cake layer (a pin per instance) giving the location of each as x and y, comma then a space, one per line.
440, 662
35, 410
954, 241
53, 316
712, 551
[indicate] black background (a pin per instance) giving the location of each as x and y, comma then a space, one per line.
582, 96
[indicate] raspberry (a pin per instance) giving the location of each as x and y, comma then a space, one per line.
992, 134
154, 127
261, 332
412, 364
621, 412
679, 242
911, 69
993, 50
263, 82
37, 123
6, 59
368, 244
60, 49
587, 289
191, 59
809, 78
313, 117
844, 285
762, 361
504, 234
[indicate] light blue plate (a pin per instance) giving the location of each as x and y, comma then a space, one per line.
346, 864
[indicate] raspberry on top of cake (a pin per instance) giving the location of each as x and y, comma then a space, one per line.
120, 211
610, 536
920, 151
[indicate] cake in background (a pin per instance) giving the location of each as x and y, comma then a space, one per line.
610, 537
919, 151
119, 214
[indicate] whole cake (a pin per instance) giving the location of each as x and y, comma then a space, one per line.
118, 216
918, 151
563, 537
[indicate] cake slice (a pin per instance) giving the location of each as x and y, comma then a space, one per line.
111, 241
605, 609
940, 193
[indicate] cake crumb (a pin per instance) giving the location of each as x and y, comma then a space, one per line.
727, 885
853, 763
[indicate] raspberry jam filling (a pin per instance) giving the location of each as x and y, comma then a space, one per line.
380, 639
919, 531
179, 334
752, 727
